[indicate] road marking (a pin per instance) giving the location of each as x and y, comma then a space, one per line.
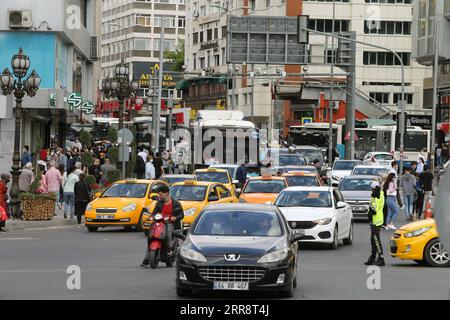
17, 239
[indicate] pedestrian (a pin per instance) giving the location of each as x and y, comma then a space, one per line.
69, 180
419, 201
53, 156
43, 154
82, 197
78, 144
62, 170
139, 167
391, 201
413, 167
158, 164
96, 170
376, 220
26, 177
62, 158
420, 165
26, 156
426, 182
394, 170
241, 175
428, 161
54, 181
444, 154
4, 180
106, 168
143, 154
439, 158
422, 155
102, 158
408, 184
165, 161
149, 169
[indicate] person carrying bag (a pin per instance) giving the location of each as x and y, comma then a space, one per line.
83, 196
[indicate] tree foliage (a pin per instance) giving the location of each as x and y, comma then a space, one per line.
112, 134
113, 155
85, 138
176, 57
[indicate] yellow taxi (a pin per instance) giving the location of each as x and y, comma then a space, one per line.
263, 189
194, 196
121, 204
216, 175
302, 179
419, 241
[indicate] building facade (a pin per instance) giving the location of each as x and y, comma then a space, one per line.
378, 74
131, 30
432, 19
60, 39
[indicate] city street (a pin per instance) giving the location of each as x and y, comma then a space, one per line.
33, 265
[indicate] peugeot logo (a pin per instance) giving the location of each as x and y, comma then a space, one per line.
293, 224
232, 257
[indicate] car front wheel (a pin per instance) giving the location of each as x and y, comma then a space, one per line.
334, 244
436, 255
349, 240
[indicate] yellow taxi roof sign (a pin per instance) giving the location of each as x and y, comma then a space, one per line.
190, 182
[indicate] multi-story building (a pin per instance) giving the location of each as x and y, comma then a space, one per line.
431, 19
59, 36
378, 74
131, 30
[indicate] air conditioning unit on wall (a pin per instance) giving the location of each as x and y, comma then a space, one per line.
94, 49
20, 19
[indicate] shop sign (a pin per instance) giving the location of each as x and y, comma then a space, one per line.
76, 102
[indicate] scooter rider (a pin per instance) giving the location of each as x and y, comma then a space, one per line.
168, 207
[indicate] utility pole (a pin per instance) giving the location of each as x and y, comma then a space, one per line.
435, 100
330, 102
233, 100
157, 115
253, 93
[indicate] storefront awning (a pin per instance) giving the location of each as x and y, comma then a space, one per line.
183, 84
380, 122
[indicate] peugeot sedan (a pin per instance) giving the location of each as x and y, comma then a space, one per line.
238, 247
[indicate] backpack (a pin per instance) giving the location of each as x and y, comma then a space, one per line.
140, 165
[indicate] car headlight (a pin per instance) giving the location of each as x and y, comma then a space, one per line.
129, 208
323, 222
275, 256
417, 232
89, 207
190, 212
242, 200
192, 255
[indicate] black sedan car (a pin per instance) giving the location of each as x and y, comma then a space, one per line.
238, 247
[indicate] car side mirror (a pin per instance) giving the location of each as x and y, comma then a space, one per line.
154, 196
341, 205
213, 198
297, 235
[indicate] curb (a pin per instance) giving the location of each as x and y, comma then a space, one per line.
12, 225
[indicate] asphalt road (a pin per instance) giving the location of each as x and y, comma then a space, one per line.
33, 265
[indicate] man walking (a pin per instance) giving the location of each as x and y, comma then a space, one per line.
106, 168
408, 184
241, 175
54, 181
426, 182
26, 156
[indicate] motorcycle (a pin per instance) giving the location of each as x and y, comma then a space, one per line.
157, 234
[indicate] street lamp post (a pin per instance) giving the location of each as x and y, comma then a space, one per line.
20, 64
122, 88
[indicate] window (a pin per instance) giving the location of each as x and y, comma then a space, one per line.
181, 22
326, 25
385, 59
252, 5
201, 36
267, 3
216, 33
408, 98
209, 35
143, 20
387, 27
169, 21
224, 32
380, 97
216, 60
169, 44
142, 44
194, 59
388, 2
195, 38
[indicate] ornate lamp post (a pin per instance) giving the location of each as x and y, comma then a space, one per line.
20, 64
120, 87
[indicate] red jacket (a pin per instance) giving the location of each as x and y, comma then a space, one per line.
3, 194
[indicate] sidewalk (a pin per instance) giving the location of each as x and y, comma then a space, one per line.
57, 221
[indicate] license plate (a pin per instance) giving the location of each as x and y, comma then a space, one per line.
359, 209
105, 216
230, 285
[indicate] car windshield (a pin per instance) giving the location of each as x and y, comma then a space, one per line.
302, 181
188, 193
264, 186
221, 177
369, 171
311, 154
384, 157
231, 170
315, 199
291, 160
345, 165
126, 190
238, 223
304, 169
355, 185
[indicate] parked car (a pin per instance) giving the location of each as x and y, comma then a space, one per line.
378, 159
370, 171
357, 192
341, 169
238, 247
320, 211
419, 241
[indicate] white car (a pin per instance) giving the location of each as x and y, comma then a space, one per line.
341, 169
370, 171
379, 159
320, 212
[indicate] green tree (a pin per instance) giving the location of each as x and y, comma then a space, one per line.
176, 57
112, 134
87, 159
113, 176
85, 138
113, 155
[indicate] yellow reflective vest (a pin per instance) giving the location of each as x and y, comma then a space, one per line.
378, 204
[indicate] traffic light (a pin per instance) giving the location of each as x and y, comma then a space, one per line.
302, 32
